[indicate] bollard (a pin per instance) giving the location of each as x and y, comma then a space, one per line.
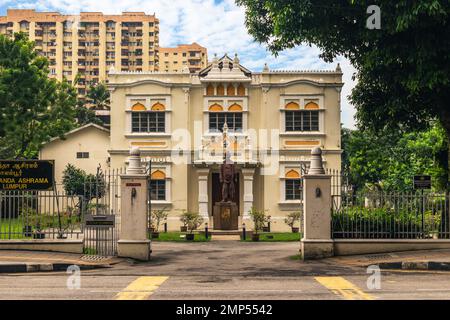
206, 230
165, 227
243, 232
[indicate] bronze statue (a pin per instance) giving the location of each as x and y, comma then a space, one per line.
227, 179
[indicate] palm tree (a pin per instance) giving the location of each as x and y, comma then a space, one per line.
98, 97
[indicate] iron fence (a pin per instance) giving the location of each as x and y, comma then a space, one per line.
391, 216
61, 213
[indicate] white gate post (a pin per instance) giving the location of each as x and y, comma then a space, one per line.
316, 242
133, 240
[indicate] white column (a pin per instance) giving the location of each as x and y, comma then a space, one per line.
203, 193
248, 190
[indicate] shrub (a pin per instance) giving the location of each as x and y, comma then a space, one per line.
157, 216
259, 218
192, 220
292, 218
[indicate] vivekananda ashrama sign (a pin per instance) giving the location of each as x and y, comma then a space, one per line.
27, 174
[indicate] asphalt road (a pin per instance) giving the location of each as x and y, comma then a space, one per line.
226, 271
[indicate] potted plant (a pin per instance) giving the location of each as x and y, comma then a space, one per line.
266, 228
156, 217
291, 219
27, 218
259, 219
183, 220
38, 223
193, 221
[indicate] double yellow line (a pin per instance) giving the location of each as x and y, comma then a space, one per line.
343, 288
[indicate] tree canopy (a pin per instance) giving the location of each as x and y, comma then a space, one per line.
33, 107
403, 68
388, 162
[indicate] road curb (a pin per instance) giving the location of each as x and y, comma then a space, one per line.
45, 267
416, 265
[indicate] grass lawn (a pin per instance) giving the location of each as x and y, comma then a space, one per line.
277, 236
176, 236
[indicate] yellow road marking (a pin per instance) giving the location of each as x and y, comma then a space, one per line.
141, 288
344, 288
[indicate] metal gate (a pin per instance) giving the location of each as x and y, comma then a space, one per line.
101, 205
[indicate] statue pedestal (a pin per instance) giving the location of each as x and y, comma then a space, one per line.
225, 216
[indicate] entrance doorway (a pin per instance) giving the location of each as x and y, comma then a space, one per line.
216, 194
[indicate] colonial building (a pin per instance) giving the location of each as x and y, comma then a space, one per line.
271, 119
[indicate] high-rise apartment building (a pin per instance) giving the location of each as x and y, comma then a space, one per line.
89, 44
193, 56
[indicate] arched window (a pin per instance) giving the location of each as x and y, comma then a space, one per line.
233, 118
215, 107
210, 90
231, 90
146, 121
292, 185
300, 120
158, 185
292, 106
235, 107
241, 90
311, 106
158, 107
220, 90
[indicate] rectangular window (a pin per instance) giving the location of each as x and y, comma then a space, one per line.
158, 189
292, 189
148, 122
82, 155
300, 120
217, 121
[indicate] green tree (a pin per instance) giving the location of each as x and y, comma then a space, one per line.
33, 107
85, 186
403, 68
99, 97
84, 115
388, 162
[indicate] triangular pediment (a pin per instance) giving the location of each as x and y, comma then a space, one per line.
225, 69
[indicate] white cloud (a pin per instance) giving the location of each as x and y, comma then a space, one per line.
219, 26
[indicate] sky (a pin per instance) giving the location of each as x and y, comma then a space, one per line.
216, 25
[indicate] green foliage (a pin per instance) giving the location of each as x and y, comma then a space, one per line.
388, 161
157, 216
403, 69
192, 220
33, 107
292, 218
78, 183
259, 218
99, 96
84, 115
387, 220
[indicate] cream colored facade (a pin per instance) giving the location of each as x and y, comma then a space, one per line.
192, 56
85, 148
89, 44
275, 119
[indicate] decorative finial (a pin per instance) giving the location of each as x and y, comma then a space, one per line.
338, 67
316, 166
134, 164
266, 67
236, 59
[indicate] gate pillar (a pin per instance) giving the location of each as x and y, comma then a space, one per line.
316, 242
133, 239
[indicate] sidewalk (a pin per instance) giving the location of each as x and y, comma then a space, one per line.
13, 261
406, 260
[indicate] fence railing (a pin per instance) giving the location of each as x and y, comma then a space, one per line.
60, 213
391, 216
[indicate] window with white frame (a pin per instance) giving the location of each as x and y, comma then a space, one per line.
158, 186
232, 117
301, 120
148, 121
